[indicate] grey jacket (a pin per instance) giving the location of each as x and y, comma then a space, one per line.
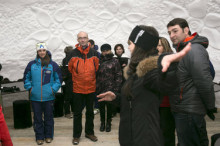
196, 91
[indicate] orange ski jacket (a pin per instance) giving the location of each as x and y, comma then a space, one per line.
83, 65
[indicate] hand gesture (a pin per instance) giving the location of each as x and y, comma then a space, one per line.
168, 59
107, 96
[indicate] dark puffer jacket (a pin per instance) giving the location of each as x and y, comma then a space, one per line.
109, 75
196, 91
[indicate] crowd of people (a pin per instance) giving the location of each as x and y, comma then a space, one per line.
157, 91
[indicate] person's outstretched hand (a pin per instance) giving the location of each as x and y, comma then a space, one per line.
168, 59
107, 96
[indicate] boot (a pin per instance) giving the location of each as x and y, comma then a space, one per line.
108, 126
102, 127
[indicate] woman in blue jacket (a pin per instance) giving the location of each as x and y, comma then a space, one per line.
42, 77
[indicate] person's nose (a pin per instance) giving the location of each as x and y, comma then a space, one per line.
171, 35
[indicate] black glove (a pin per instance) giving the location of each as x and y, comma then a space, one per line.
210, 114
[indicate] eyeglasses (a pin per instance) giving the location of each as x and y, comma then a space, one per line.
83, 38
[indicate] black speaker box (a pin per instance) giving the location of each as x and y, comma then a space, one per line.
22, 114
58, 105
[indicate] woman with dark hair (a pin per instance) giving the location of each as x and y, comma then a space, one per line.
119, 52
139, 97
167, 121
43, 78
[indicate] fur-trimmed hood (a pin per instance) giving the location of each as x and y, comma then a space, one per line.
143, 67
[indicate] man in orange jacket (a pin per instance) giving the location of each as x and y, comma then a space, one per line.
83, 64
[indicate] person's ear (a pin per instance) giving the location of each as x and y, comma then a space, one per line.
186, 30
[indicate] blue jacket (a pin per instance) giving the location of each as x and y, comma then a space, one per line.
43, 82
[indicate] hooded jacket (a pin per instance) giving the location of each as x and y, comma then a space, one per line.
83, 65
196, 92
43, 82
139, 114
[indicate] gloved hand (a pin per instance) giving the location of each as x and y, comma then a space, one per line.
210, 114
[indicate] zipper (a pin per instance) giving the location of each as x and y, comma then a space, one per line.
44, 76
52, 91
77, 66
178, 47
181, 93
131, 119
130, 105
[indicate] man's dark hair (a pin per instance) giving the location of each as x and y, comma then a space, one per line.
179, 21
92, 42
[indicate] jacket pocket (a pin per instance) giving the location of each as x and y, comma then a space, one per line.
35, 92
46, 76
52, 91
47, 92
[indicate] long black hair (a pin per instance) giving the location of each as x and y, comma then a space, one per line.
138, 55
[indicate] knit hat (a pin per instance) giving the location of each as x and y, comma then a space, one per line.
105, 47
41, 46
143, 39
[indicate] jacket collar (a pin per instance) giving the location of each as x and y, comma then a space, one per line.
194, 38
83, 51
143, 67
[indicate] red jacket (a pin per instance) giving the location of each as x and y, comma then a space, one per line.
5, 139
83, 65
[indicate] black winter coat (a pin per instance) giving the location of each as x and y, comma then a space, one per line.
67, 76
139, 115
196, 91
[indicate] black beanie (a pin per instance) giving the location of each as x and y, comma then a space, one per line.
105, 47
143, 39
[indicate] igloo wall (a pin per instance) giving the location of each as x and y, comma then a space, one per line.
23, 23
